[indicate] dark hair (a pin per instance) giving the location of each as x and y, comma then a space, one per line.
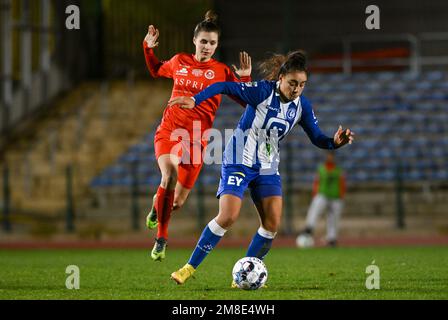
210, 24
279, 64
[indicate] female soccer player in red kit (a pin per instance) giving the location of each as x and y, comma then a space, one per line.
178, 157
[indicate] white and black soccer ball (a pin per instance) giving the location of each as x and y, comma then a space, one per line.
250, 273
304, 241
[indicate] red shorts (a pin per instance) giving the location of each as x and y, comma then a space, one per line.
189, 152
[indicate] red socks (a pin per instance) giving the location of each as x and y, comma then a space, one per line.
164, 206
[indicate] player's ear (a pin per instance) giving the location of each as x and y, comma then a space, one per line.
280, 77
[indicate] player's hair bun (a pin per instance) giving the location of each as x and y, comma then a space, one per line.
211, 16
299, 57
209, 24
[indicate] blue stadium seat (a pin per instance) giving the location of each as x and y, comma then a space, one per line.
435, 76
396, 115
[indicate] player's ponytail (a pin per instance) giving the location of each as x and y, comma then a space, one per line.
209, 24
269, 68
279, 64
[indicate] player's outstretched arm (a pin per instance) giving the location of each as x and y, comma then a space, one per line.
211, 91
155, 67
250, 93
343, 136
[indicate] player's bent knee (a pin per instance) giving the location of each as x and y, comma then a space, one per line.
227, 221
272, 225
168, 172
169, 178
169, 182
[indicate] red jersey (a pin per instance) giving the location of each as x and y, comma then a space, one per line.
190, 77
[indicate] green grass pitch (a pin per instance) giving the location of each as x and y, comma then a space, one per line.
320, 273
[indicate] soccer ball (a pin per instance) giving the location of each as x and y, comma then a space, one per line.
249, 273
304, 241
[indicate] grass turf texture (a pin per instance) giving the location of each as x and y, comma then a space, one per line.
322, 273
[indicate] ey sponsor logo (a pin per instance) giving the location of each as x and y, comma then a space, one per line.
236, 179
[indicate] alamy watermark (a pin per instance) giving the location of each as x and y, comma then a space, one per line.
373, 280
243, 146
73, 280
373, 20
73, 21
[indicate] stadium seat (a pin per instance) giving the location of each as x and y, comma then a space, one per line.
396, 115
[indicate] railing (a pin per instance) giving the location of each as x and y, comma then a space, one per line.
414, 62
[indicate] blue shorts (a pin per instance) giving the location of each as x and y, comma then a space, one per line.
235, 179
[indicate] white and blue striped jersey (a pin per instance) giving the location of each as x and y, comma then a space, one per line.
265, 122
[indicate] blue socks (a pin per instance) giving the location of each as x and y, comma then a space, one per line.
212, 234
208, 240
261, 243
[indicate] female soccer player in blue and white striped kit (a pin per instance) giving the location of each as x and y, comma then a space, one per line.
251, 157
